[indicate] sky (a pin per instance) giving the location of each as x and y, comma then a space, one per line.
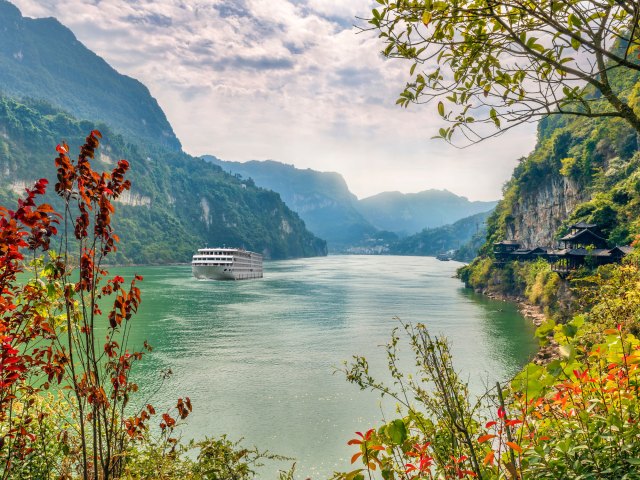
286, 80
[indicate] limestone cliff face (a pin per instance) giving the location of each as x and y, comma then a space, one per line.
538, 214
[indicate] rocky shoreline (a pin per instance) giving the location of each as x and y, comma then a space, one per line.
546, 353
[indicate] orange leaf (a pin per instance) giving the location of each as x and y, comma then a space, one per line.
354, 442
378, 447
515, 446
489, 458
484, 438
355, 457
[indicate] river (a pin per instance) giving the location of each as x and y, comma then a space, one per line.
258, 358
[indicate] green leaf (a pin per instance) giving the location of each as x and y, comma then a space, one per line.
567, 351
554, 368
545, 329
577, 321
441, 109
575, 43
426, 18
569, 330
633, 461
396, 431
355, 475
494, 116
574, 21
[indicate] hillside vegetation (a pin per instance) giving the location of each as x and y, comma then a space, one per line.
464, 236
596, 160
178, 203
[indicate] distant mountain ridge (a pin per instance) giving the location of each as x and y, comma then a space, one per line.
41, 59
322, 199
408, 213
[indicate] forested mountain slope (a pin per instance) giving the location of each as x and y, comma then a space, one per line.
177, 203
465, 236
322, 199
42, 59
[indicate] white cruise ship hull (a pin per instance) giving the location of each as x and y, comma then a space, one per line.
226, 264
208, 272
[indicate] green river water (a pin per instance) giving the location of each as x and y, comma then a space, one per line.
258, 357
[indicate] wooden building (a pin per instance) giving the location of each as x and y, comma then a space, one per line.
584, 245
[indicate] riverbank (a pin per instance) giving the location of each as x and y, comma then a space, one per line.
534, 313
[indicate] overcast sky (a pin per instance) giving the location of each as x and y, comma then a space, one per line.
288, 80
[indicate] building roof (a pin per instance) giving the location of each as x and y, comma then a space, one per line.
583, 236
593, 252
541, 250
623, 250
582, 226
521, 251
559, 252
508, 242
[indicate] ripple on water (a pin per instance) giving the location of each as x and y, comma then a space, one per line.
258, 358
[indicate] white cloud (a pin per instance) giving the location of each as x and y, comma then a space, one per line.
288, 80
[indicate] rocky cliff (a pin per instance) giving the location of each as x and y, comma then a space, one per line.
537, 216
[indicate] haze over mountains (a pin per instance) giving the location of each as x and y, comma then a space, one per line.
330, 210
409, 213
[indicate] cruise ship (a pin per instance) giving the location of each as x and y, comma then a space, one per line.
226, 264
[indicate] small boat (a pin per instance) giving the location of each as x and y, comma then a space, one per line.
226, 264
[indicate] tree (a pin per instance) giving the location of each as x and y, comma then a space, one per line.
507, 62
52, 330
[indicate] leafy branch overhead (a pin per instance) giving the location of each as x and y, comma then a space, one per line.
501, 63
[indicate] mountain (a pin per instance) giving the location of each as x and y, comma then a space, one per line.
406, 214
41, 59
322, 199
177, 203
465, 236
